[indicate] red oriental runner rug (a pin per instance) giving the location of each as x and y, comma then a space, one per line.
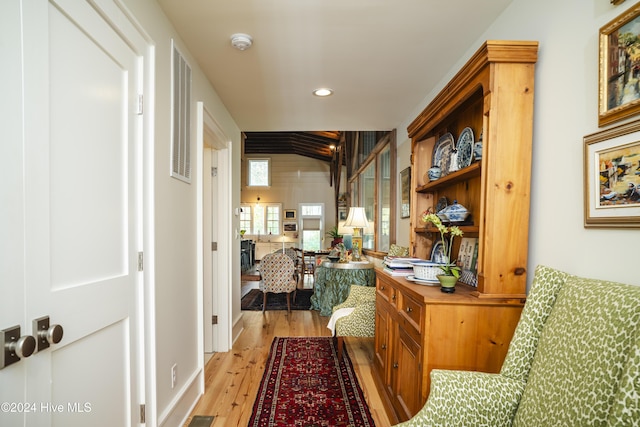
304, 384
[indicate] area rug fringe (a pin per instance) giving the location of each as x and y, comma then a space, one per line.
305, 384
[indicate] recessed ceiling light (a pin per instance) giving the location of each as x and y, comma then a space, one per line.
323, 91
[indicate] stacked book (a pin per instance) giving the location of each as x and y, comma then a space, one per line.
399, 266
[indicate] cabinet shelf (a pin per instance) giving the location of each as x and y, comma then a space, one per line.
466, 229
461, 175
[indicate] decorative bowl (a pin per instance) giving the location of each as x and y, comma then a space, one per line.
334, 258
456, 212
426, 270
434, 173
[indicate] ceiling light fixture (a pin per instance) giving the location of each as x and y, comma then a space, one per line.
323, 91
241, 41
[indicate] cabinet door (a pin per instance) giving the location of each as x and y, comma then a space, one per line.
381, 341
408, 376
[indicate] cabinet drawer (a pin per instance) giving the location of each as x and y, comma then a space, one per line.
387, 292
412, 311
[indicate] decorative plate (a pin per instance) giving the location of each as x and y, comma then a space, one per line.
437, 253
464, 147
423, 281
442, 203
442, 153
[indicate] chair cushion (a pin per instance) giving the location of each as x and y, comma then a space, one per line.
459, 398
582, 355
395, 250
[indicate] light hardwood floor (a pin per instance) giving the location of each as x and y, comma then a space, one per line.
232, 379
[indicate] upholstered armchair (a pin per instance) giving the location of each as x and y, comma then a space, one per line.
574, 361
355, 316
277, 272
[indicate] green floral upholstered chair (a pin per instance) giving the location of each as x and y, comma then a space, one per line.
360, 320
574, 361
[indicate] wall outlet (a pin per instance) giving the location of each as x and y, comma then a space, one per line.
174, 375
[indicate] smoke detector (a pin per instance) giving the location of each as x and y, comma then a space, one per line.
241, 41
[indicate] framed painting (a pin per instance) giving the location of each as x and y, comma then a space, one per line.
405, 184
619, 82
612, 177
290, 227
289, 214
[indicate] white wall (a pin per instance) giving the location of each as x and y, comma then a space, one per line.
294, 179
566, 109
175, 248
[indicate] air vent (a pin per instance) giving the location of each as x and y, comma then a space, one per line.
181, 114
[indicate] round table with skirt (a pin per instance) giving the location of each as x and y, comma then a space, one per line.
333, 281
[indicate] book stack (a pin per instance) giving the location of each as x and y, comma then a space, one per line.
399, 266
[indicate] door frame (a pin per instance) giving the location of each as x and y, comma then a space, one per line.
210, 136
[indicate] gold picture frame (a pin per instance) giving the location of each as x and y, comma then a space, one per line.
405, 187
612, 177
619, 81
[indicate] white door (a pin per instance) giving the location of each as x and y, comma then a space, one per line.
82, 214
211, 225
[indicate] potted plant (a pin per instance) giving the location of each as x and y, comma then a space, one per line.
335, 235
449, 268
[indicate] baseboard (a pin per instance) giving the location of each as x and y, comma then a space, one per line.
178, 411
238, 327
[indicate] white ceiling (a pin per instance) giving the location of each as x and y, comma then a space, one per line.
381, 57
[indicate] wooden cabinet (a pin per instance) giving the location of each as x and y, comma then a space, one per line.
418, 327
492, 94
264, 248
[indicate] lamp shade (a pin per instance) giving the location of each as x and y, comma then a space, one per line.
357, 218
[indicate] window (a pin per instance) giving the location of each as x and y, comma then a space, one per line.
261, 219
312, 225
383, 227
258, 172
368, 195
372, 187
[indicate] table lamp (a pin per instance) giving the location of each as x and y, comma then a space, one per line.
357, 219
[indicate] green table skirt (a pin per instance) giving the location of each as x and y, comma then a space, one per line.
332, 285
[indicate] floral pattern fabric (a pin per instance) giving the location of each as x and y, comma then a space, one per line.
362, 321
574, 360
277, 271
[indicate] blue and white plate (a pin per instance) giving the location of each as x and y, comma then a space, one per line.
464, 147
437, 253
442, 151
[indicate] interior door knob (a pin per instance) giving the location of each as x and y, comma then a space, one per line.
45, 333
14, 347
53, 335
24, 346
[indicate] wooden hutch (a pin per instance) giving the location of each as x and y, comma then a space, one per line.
419, 328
